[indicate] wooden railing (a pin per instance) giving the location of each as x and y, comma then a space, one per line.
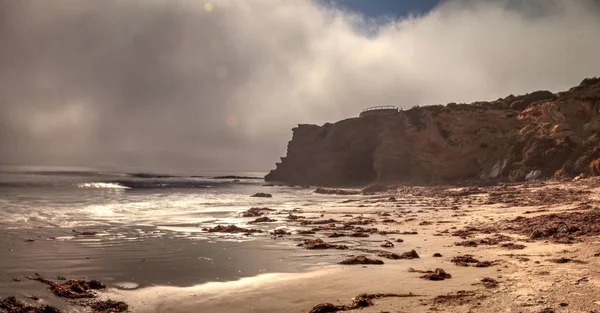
380, 108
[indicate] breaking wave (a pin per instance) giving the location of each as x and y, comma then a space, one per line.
91, 180
101, 185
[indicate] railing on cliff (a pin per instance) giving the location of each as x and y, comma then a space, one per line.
381, 108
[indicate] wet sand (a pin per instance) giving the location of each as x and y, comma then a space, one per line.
554, 271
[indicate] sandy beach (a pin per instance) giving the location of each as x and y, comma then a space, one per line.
299, 156
505, 248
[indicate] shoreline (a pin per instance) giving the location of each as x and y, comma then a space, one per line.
437, 214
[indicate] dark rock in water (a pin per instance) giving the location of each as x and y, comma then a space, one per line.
319, 222
320, 244
236, 177
518, 138
345, 192
231, 229
262, 195
263, 219
253, 212
85, 233
12, 305
280, 232
293, 217
361, 259
377, 187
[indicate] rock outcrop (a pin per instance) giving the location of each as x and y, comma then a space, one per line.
537, 135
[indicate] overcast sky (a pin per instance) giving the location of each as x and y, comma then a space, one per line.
188, 84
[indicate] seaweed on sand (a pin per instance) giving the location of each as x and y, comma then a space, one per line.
109, 306
360, 301
316, 244
231, 229
467, 259
73, 288
361, 259
409, 255
12, 305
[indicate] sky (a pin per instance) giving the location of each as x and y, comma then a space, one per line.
384, 9
176, 85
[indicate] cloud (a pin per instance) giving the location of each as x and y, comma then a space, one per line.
175, 85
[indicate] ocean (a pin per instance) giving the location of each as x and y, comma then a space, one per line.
147, 228
58, 197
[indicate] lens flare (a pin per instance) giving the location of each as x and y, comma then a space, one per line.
232, 121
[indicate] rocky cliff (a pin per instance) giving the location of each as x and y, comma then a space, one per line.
514, 138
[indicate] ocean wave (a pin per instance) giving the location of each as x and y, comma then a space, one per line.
150, 175
127, 184
102, 185
168, 183
82, 173
236, 177
67, 179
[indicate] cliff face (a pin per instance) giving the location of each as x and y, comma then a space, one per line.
536, 135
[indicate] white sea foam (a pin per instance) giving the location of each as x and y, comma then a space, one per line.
100, 185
